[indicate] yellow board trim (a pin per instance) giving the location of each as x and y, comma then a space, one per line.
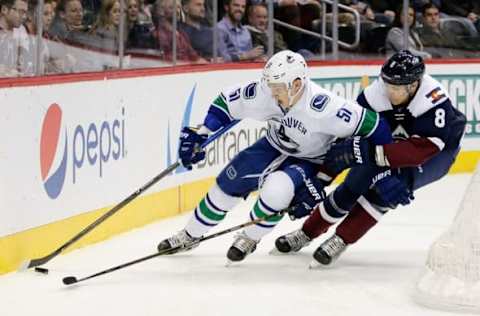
39, 241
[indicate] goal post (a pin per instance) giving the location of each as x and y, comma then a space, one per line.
451, 279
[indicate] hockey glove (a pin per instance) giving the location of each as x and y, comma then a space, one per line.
306, 198
190, 151
393, 191
351, 152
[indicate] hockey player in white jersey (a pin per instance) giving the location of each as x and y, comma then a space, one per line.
303, 120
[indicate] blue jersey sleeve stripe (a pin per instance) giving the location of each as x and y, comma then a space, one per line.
216, 118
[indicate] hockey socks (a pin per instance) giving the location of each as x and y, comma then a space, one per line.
330, 211
211, 210
356, 224
261, 210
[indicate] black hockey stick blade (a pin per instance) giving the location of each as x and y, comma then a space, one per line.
72, 280
69, 280
42, 260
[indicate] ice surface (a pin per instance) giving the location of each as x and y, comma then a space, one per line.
374, 277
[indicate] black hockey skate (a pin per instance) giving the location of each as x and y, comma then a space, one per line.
241, 247
292, 242
329, 251
182, 238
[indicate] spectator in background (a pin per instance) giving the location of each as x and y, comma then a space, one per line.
12, 14
257, 17
48, 64
163, 11
366, 13
47, 17
105, 30
68, 20
440, 42
419, 4
395, 37
237, 41
197, 28
469, 9
140, 34
431, 34
384, 9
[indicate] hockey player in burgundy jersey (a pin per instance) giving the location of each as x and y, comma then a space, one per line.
427, 131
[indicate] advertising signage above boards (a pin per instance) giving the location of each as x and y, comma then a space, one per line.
86, 145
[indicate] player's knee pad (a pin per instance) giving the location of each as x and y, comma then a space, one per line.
241, 175
277, 190
220, 199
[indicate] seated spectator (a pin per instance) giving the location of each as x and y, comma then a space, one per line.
68, 20
105, 30
303, 14
366, 13
140, 33
384, 10
163, 16
197, 28
257, 25
419, 4
430, 33
48, 64
469, 9
395, 37
438, 41
12, 13
235, 37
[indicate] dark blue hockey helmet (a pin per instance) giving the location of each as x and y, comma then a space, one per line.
403, 68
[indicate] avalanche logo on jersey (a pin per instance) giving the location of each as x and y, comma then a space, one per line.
53, 152
319, 101
400, 133
435, 95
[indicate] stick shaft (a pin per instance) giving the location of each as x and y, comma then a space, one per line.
174, 249
40, 261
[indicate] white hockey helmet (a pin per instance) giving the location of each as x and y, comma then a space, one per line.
284, 67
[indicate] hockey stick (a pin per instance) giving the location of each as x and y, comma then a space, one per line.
40, 261
72, 280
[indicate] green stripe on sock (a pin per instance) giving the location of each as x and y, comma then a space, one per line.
369, 123
208, 213
260, 214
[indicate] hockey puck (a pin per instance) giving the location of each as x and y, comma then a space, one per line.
41, 270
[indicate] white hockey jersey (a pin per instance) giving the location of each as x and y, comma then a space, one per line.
309, 127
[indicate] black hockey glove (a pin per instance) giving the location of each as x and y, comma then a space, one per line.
394, 190
348, 153
190, 151
306, 198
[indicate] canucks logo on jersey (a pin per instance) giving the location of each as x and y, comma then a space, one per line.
276, 132
319, 101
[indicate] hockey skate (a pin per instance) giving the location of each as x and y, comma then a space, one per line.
181, 239
241, 247
291, 242
328, 251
